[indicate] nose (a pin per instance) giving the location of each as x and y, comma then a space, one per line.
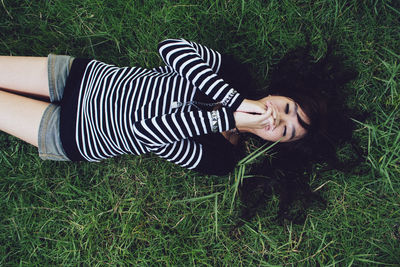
279, 117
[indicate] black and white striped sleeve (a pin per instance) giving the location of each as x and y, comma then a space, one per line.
169, 128
189, 154
185, 153
200, 66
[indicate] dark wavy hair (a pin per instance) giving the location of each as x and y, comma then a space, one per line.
318, 87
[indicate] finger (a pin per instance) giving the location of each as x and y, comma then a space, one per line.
269, 111
265, 116
256, 121
259, 108
271, 123
266, 121
275, 115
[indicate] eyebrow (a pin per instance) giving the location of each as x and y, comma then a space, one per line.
296, 107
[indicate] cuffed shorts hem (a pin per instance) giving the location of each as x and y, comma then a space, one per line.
49, 145
58, 67
49, 141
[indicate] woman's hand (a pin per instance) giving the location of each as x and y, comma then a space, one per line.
260, 114
252, 106
246, 121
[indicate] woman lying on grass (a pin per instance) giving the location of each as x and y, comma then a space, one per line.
190, 112
186, 112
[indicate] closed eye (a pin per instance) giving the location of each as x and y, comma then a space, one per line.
284, 131
287, 108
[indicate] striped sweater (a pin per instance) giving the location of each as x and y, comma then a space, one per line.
109, 111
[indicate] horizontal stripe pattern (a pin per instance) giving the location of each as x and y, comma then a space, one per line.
199, 65
128, 110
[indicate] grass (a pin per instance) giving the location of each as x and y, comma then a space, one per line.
125, 211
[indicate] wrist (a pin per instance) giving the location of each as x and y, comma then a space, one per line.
240, 103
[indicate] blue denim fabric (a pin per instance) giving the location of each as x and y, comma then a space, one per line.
49, 145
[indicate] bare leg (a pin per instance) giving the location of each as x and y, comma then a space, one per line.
26, 75
20, 116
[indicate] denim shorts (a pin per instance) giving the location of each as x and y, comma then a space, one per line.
49, 145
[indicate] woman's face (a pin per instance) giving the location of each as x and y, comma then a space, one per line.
284, 124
